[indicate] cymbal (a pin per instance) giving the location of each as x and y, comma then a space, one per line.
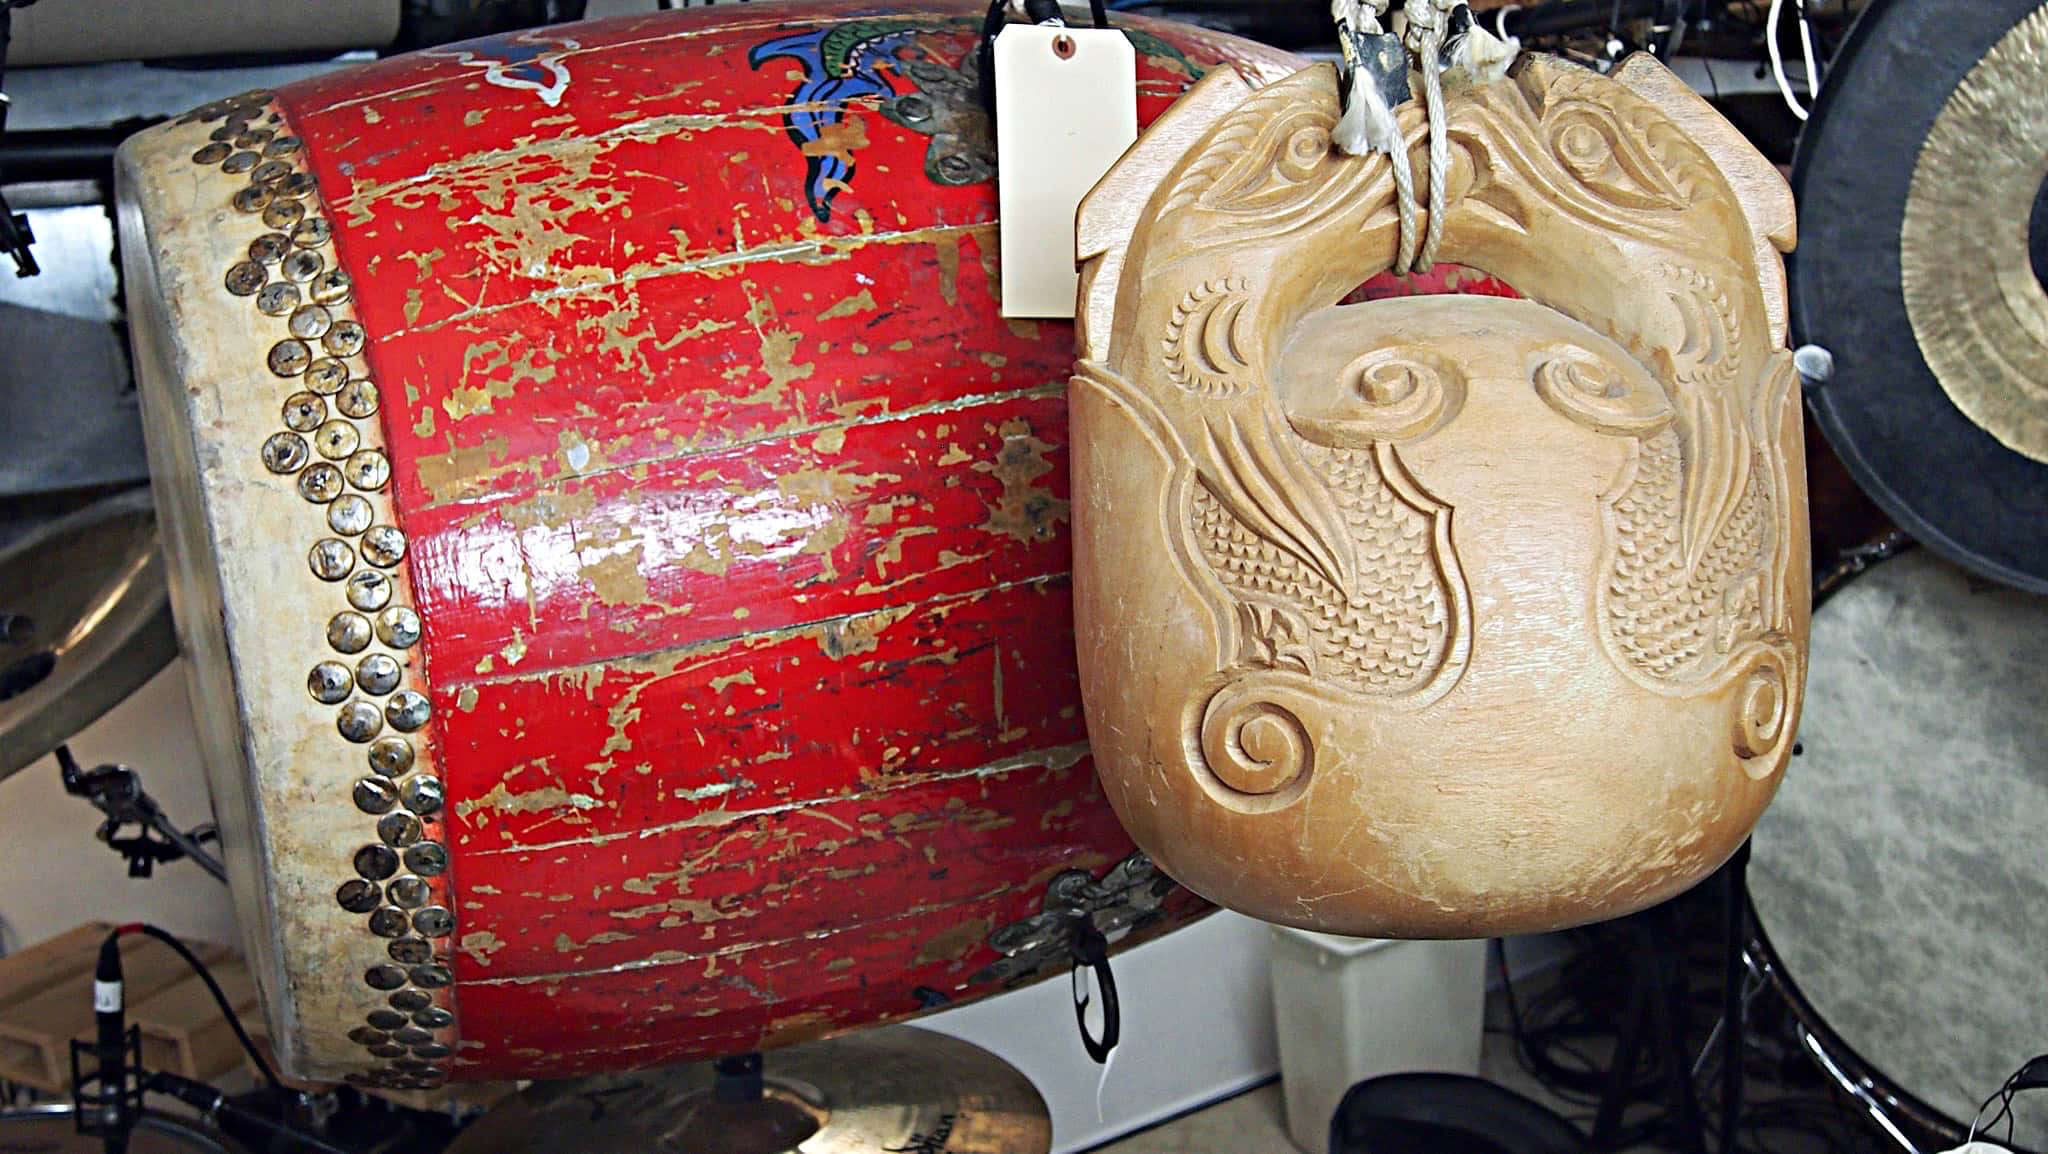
1920, 273
893, 1089
85, 619
1977, 306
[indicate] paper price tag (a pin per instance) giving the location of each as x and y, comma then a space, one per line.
1066, 109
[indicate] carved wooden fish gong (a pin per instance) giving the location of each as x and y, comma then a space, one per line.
1440, 616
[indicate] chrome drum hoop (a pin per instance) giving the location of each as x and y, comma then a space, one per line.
1913, 1126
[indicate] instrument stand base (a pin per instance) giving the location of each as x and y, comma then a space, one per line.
1655, 1027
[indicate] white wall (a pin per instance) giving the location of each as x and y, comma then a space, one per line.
1197, 1026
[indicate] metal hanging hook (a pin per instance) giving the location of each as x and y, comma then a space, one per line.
1091, 953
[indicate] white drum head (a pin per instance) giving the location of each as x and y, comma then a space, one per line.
1902, 874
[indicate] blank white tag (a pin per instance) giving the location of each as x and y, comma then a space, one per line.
1066, 109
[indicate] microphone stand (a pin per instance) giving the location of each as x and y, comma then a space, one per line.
107, 1100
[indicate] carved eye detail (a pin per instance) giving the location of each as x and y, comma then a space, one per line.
1306, 148
1285, 155
1609, 163
1582, 148
1596, 392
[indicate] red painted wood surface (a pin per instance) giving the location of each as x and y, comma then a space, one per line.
737, 517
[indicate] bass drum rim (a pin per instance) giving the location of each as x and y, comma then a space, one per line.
192, 1135
1895, 1109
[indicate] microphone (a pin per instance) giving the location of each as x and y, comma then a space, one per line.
112, 1099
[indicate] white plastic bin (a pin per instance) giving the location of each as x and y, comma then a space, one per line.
1348, 1009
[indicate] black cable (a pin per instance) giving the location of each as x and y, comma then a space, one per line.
207, 1100
213, 987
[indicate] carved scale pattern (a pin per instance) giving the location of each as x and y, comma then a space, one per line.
1392, 640
1665, 622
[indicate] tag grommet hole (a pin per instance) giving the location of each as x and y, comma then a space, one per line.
1063, 47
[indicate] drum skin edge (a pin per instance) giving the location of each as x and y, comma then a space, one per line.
567, 952
246, 697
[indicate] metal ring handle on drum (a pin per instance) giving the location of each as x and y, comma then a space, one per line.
1893, 1109
1091, 952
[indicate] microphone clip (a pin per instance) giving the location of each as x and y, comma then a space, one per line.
105, 1103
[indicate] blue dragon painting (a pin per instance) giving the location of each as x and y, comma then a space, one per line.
866, 57
841, 62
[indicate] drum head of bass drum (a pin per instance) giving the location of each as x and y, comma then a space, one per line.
1901, 876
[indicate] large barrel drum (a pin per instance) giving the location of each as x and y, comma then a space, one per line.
622, 549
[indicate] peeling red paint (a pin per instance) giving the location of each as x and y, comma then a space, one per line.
739, 534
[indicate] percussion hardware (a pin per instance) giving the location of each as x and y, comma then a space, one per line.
1855, 560
216, 1106
1816, 365
63, 154
362, 954
107, 1094
15, 234
1915, 271
48, 1128
739, 1078
1128, 897
1256, 472
88, 622
116, 791
1912, 662
1864, 1090
1883, 1107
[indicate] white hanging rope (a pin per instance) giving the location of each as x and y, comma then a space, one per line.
1426, 27
1368, 125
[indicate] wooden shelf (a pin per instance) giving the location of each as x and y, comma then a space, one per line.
46, 1000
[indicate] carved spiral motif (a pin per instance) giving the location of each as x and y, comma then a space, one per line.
1389, 394
1760, 715
1594, 391
1257, 749
1306, 148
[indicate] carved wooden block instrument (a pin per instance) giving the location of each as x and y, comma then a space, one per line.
1443, 616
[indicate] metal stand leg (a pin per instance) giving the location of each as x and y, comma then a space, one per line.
1621, 1075
1734, 1026
1657, 997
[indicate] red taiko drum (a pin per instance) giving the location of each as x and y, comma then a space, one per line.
622, 549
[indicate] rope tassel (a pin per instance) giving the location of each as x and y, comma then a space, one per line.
1375, 82
1440, 37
